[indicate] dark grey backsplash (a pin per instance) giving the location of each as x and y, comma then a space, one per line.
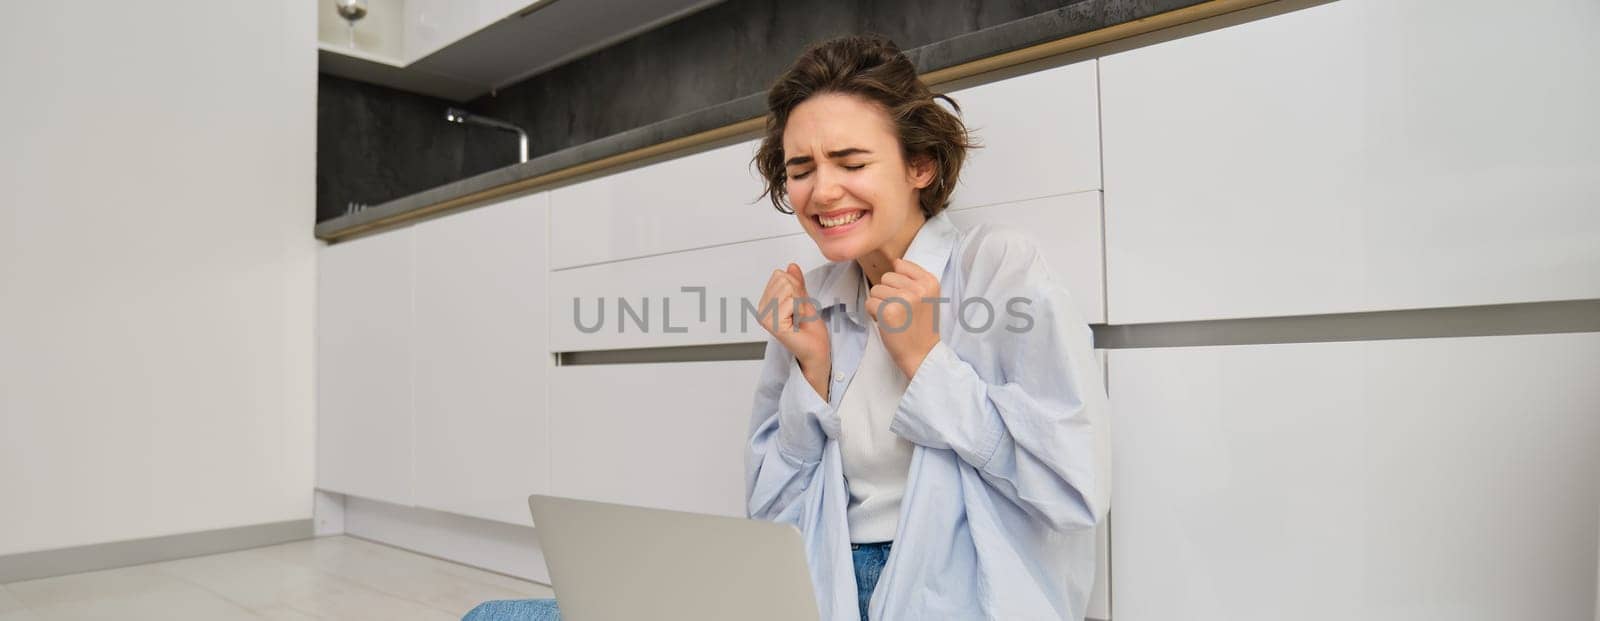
376, 144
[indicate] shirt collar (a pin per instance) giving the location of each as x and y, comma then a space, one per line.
930, 249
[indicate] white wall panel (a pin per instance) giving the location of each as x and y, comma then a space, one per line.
1387, 480
1354, 156
157, 269
668, 435
1067, 229
694, 201
482, 357
1041, 136
364, 353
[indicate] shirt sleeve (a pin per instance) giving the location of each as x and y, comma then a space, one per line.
1027, 407
786, 437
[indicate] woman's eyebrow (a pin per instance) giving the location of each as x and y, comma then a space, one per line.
806, 159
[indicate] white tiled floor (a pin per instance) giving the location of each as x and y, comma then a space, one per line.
324, 578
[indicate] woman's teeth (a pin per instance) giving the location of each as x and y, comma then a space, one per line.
828, 222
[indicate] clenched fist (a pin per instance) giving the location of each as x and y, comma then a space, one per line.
804, 334
908, 324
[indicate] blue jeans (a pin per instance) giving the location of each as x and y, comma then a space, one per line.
869, 558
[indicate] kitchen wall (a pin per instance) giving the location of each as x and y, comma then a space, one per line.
675, 69
1343, 260
685, 65
157, 269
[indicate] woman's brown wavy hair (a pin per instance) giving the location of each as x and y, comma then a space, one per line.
873, 67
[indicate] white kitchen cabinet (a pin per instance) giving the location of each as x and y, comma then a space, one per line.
1067, 230
379, 36
1066, 227
1041, 136
694, 201
482, 359
1358, 155
364, 346
434, 24
669, 435
1395, 480
730, 275
1100, 597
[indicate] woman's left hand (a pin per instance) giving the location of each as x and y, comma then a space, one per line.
908, 324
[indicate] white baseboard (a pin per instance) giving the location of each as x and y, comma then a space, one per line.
95, 557
496, 546
327, 513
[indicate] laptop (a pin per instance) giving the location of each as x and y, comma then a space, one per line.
617, 562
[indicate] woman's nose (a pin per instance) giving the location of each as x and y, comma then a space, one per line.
829, 189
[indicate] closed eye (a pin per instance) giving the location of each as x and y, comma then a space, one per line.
808, 173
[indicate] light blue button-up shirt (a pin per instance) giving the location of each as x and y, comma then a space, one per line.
1010, 470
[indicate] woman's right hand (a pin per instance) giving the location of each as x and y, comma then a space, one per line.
809, 342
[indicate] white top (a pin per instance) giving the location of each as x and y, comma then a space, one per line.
875, 460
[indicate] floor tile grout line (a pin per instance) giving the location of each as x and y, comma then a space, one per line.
309, 613
24, 607
446, 560
154, 567
242, 606
357, 585
363, 586
322, 575
381, 591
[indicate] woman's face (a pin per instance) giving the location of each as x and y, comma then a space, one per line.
847, 182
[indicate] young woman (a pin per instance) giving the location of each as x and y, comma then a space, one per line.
930, 413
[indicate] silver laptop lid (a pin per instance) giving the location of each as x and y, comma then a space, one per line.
617, 562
